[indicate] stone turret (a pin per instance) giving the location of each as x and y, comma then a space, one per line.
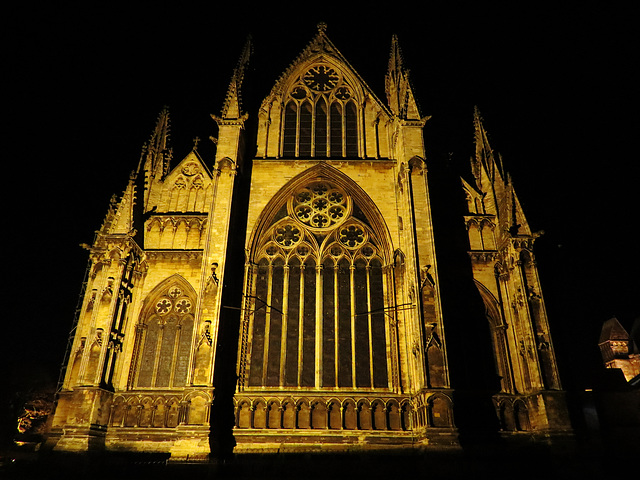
618, 349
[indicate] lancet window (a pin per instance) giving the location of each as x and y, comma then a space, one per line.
321, 116
163, 339
318, 297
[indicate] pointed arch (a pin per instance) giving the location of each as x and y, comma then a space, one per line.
304, 135
492, 309
326, 172
324, 101
321, 128
351, 130
501, 350
521, 415
288, 413
317, 287
335, 130
165, 326
439, 410
243, 414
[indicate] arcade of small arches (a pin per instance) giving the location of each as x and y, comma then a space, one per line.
398, 414
175, 232
513, 414
159, 411
481, 233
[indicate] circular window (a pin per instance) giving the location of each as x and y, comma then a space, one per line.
287, 235
352, 236
163, 306
183, 306
321, 78
320, 205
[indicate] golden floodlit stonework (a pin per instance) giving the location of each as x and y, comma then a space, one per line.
302, 310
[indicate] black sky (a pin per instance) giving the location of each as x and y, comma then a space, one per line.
557, 89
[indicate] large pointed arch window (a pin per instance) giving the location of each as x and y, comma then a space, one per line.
316, 298
321, 117
163, 338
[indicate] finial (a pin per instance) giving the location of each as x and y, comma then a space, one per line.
196, 140
476, 114
322, 27
232, 107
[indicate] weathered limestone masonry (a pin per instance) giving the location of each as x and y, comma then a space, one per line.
342, 335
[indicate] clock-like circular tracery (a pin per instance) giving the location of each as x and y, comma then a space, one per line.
320, 205
321, 78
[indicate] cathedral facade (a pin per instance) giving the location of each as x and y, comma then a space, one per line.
286, 296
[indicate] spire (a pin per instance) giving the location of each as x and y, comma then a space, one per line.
484, 160
484, 153
120, 216
398, 87
156, 154
232, 107
514, 218
496, 185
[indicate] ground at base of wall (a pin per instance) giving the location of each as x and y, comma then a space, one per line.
532, 462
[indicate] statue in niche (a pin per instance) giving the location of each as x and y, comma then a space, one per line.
107, 293
210, 290
212, 280
203, 355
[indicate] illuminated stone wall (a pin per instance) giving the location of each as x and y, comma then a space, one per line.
318, 284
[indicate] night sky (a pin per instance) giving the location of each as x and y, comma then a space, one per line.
557, 90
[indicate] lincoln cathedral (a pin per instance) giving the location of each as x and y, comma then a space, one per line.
305, 289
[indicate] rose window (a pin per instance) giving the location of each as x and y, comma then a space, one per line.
287, 235
336, 213
304, 197
163, 306
319, 221
351, 236
319, 189
183, 306
175, 292
320, 205
368, 251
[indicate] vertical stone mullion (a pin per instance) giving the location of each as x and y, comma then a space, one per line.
312, 147
328, 133
267, 324
156, 359
361, 132
344, 130
352, 286
176, 344
336, 320
318, 353
301, 325
297, 145
368, 270
285, 319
